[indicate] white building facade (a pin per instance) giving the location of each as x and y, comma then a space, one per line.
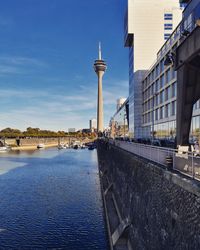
120, 102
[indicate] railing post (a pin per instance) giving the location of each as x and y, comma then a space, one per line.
150, 153
193, 171
158, 155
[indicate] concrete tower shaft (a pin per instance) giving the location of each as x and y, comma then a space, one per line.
100, 68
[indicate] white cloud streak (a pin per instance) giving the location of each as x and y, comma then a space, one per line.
49, 110
19, 65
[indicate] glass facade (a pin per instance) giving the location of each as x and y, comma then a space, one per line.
159, 90
119, 123
131, 92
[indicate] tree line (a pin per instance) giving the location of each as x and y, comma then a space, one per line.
37, 132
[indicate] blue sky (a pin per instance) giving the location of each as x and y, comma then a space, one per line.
48, 48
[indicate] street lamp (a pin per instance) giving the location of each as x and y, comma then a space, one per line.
169, 59
154, 96
125, 116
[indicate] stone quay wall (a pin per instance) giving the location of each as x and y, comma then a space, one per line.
36, 141
161, 208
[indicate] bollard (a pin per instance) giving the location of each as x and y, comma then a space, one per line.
169, 162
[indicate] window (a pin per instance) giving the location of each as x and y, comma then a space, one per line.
173, 89
157, 100
167, 110
153, 88
168, 26
162, 81
157, 70
152, 116
166, 36
162, 66
149, 117
161, 112
151, 103
153, 75
148, 104
173, 108
168, 16
156, 114
167, 79
157, 85
162, 97
166, 94
151, 92
173, 73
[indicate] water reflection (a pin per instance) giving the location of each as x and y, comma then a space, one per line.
51, 199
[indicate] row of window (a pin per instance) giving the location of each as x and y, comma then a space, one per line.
168, 129
155, 87
168, 16
167, 36
168, 26
165, 130
160, 113
169, 74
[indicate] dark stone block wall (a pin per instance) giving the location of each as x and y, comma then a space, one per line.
162, 206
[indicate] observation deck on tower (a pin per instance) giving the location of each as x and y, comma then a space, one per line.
100, 64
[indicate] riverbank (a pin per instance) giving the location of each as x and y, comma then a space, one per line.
33, 147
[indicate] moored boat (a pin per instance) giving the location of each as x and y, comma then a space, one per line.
91, 147
83, 146
40, 145
61, 146
3, 149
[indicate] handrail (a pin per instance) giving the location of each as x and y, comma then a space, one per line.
186, 162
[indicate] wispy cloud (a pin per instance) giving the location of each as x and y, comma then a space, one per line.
18, 60
50, 109
19, 65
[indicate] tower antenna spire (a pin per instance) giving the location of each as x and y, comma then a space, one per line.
99, 50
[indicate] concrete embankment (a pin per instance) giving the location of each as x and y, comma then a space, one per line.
147, 206
32, 147
31, 143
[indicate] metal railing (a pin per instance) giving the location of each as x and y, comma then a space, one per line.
187, 162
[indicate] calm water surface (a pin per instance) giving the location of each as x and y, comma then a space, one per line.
50, 199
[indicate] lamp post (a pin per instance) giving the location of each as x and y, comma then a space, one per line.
154, 96
125, 124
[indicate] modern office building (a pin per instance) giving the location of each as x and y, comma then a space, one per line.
147, 25
120, 102
159, 85
119, 122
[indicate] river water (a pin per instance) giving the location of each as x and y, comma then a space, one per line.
50, 199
